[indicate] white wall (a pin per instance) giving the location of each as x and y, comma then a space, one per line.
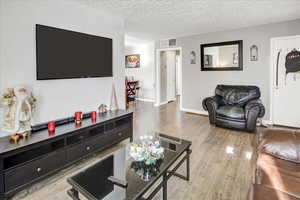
146, 73
57, 98
200, 84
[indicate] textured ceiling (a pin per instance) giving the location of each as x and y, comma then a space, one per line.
161, 19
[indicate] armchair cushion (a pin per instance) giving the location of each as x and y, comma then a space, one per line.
237, 95
282, 144
231, 111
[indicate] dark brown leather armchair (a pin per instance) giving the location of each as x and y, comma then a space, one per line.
236, 107
278, 166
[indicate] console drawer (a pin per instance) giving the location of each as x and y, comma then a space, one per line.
33, 170
97, 143
77, 151
80, 150
118, 135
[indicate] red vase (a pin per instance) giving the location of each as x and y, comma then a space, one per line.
51, 127
78, 117
94, 116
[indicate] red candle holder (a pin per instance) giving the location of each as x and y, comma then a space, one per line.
94, 116
78, 117
77, 125
51, 127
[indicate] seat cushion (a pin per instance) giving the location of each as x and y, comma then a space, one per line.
231, 112
283, 144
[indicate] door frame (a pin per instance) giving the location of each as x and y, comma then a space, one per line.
157, 75
272, 72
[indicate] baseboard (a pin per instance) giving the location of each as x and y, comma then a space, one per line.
162, 103
145, 100
194, 111
267, 122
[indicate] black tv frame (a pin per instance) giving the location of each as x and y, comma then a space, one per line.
75, 77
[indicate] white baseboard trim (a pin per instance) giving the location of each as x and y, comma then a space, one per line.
267, 122
200, 112
162, 103
145, 100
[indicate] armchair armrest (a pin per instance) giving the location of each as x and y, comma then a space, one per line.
253, 110
211, 104
255, 105
214, 101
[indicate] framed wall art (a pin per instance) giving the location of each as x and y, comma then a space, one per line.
132, 61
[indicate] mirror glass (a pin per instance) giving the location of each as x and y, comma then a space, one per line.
221, 57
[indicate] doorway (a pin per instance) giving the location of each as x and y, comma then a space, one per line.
168, 75
285, 81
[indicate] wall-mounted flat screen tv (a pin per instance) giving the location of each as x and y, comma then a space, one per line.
63, 54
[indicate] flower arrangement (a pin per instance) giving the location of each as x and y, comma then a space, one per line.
147, 157
148, 150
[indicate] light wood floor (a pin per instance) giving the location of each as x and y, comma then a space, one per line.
222, 161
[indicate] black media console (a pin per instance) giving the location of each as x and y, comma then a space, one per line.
43, 154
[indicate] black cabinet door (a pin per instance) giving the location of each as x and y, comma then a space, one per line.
34, 170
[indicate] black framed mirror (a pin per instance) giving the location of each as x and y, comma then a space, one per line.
222, 56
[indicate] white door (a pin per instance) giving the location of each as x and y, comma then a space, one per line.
286, 84
171, 75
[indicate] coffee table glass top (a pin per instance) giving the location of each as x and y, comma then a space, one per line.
93, 186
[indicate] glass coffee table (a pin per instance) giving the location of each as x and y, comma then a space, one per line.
100, 180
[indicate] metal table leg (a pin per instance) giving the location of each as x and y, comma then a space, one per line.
165, 187
73, 194
187, 159
188, 164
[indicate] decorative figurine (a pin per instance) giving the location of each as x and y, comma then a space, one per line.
253, 53
193, 57
102, 108
113, 101
20, 104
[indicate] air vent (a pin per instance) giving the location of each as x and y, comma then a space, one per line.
172, 42
167, 43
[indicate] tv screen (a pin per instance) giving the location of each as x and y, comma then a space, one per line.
66, 54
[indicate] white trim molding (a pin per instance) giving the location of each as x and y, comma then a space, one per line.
157, 73
266, 122
200, 112
162, 103
145, 100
